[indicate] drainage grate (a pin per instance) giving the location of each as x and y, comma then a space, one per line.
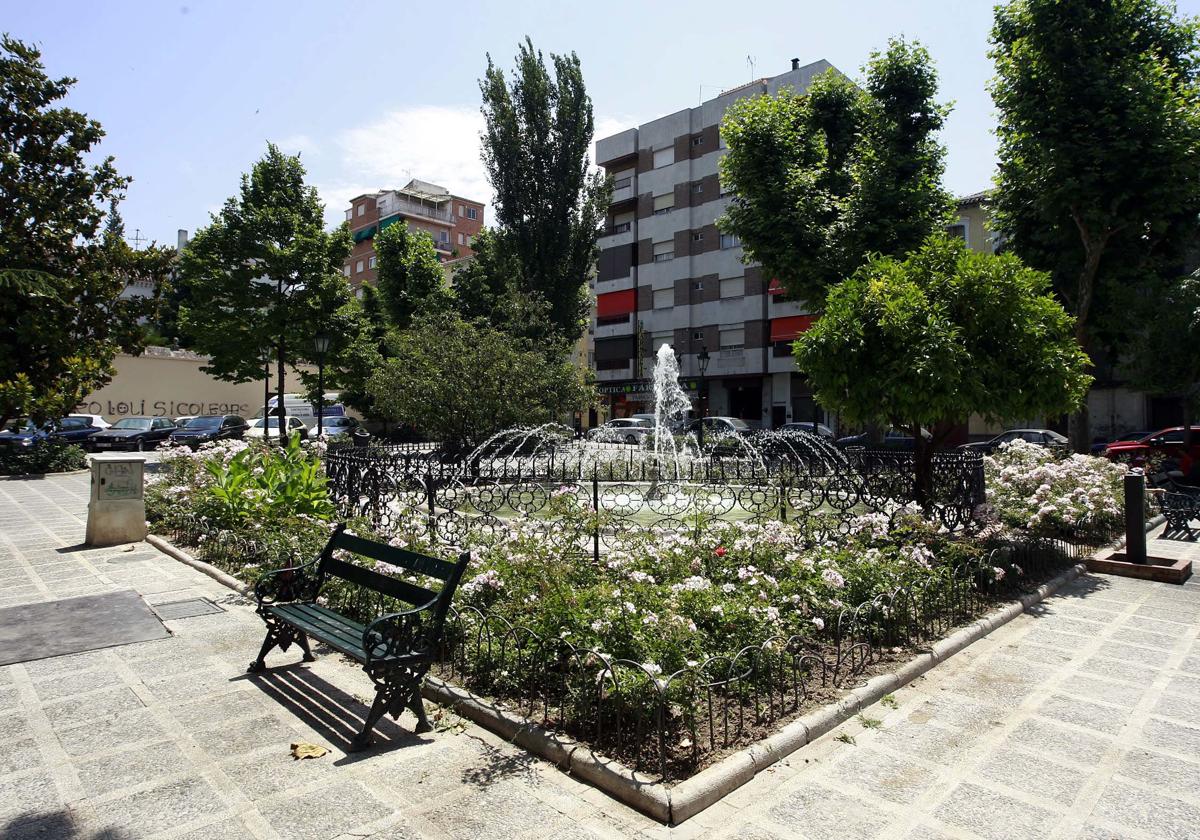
186, 609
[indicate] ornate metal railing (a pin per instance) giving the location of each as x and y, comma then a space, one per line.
449, 497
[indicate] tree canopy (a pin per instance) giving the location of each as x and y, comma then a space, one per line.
822, 179
1166, 352
410, 275
1099, 151
62, 317
939, 335
548, 208
461, 382
265, 276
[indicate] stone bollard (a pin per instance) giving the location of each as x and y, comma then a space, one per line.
117, 508
1135, 517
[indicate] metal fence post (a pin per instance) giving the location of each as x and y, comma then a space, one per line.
596, 514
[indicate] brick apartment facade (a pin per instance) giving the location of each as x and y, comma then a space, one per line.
451, 221
666, 275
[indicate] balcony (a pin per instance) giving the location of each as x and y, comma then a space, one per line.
392, 204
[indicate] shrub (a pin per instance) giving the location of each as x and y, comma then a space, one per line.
44, 456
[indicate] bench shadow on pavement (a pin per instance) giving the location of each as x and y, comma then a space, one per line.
334, 714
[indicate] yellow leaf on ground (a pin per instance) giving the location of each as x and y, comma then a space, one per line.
303, 750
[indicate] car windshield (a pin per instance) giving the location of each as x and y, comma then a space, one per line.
272, 423
204, 423
141, 424
20, 427
738, 424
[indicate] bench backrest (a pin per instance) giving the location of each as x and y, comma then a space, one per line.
393, 587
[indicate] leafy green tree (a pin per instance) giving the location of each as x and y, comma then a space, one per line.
62, 317
461, 382
1099, 149
410, 275
823, 179
938, 335
266, 277
351, 363
548, 209
1166, 353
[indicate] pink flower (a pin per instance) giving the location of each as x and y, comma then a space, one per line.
720, 552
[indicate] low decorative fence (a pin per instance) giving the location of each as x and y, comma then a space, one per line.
385, 484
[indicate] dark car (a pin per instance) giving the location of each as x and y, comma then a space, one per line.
898, 439
721, 426
134, 434
210, 427
24, 432
818, 429
1167, 443
1040, 437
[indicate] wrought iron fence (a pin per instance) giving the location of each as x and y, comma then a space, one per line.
451, 496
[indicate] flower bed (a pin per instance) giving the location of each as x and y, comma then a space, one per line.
667, 648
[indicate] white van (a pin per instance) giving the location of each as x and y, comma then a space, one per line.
297, 405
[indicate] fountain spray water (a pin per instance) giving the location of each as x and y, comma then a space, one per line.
671, 406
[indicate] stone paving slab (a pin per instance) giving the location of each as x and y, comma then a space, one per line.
1076, 720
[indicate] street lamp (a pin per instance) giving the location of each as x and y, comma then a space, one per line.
702, 360
321, 343
266, 360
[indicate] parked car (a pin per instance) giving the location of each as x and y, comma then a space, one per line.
74, 430
819, 429
180, 422
23, 432
210, 427
1099, 445
1040, 437
622, 430
292, 424
134, 434
721, 426
337, 427
1167, 443
893, 438
95, 420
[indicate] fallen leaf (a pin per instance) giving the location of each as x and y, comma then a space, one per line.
129, 548
303, 750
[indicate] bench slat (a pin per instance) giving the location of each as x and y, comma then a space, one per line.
376, 582
334, 623
432, 566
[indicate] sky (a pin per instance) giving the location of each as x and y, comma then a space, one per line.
372, 94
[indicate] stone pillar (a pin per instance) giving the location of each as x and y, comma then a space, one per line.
117, 508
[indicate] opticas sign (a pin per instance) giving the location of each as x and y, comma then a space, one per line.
642, 387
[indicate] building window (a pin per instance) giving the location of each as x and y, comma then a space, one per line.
362, 208
622, 183
472, 213
697, 188
372, 263
733, 339
958, 231
698, 140
346, 269
664, 251
664, 203
358, 267
664, 157
658, 339
698, 237
733, 287
349, 215
460, 239
621, 228
664, 299
728, 240
462, 211
698, 286
697, 335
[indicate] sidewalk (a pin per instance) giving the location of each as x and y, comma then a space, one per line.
1079, 720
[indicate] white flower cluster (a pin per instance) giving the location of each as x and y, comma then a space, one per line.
1031, 488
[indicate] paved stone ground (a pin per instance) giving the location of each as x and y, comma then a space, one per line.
1078, 720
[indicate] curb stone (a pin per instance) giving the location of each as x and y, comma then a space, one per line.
675, 804
212, 571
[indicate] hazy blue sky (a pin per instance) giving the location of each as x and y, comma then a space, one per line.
374, 93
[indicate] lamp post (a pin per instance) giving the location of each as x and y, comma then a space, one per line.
321, 343
702, 361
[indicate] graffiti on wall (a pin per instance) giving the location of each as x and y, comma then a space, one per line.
158, 408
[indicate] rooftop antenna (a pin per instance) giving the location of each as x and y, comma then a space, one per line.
137, 239
750, 61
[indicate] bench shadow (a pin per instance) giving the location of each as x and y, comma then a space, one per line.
333, 713
59, 825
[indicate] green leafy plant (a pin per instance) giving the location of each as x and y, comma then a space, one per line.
267, 483
45, 456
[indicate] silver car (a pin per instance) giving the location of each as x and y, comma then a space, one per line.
621, 430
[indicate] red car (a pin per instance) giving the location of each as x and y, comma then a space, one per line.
1166, 443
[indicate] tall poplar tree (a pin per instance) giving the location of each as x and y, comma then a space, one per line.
265, 277
548, 208
62, 316
1099, 174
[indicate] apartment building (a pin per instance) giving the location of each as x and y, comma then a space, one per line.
450, 221
666, 275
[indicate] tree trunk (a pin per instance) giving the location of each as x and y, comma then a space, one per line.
280, 406
1079, 422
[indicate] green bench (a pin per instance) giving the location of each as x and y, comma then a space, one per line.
396, 649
